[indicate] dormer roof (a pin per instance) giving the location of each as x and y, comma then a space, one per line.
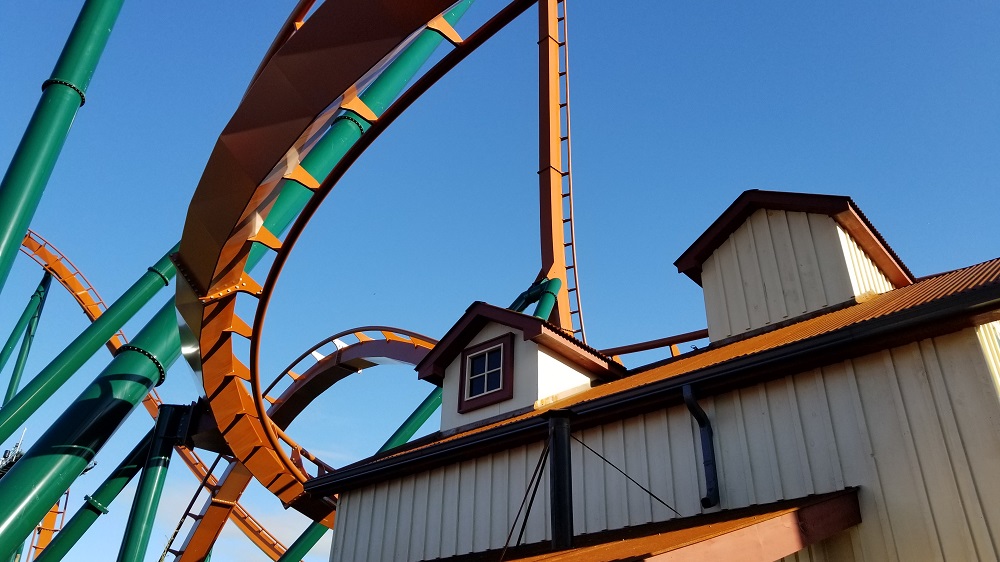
432, 367
842, 209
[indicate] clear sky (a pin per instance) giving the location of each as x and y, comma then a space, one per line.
678, 106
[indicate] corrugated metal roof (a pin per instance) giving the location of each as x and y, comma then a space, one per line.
929, 301
926, 290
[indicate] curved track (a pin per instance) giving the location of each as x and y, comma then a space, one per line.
45, 254
240, 185
322, 366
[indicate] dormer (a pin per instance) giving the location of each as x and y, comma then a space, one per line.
773, 256
496, 362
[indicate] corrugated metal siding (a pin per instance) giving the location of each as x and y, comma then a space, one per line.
866, 277
447, 511
916, 427
777, 265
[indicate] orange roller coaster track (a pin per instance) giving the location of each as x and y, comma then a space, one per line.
322, 366
225, 219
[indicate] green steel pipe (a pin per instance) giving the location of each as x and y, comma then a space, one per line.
97, 504
150, 489
22, 322
529, 296
48, 468
62, 95
547, 300
306, 541
415, 421
29, 337
348, 128
15, 413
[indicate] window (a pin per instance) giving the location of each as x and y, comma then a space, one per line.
487, 374
483, 370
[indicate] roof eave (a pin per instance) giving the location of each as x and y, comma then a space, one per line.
841, 208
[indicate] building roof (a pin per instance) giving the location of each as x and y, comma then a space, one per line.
841, 208
759, 533
479, 314
930, 307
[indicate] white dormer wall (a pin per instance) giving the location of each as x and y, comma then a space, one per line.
779, 265
538, 374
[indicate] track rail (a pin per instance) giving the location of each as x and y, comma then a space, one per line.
321, 366
69, 276
235, 195
45, 254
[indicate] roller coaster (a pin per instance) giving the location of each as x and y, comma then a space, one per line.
336, 76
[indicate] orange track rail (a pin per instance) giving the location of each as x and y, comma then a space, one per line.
253, 154
69, 276
316, 69
348, 353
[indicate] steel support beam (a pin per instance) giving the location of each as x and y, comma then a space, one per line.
23, 404
97, 504
302, 545
170, 427
29, 337
22, 322
62, 96
560, 480
62, 453
415, 421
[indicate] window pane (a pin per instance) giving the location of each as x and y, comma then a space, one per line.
477, 386
478, 364
493, 360
493, 380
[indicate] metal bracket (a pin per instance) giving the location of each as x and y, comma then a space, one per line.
707, 448
442, 27
96, 505
352, 102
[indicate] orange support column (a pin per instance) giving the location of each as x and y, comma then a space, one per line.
550, 173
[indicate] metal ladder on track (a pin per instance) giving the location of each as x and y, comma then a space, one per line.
569, 246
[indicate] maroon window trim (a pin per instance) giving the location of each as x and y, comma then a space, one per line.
506, 392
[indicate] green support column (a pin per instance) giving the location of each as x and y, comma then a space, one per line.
154, 474
97, 504
62, 95
22, 322
547, 299
306, 541
29, 337
62, 453
59, 370
415, 421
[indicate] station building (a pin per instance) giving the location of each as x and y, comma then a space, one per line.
844, 410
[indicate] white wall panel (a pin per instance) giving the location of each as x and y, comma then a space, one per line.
865, 276
779, 265
917, 428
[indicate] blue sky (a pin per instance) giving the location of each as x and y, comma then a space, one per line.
678, 107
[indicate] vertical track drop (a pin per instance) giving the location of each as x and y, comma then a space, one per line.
555, 173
